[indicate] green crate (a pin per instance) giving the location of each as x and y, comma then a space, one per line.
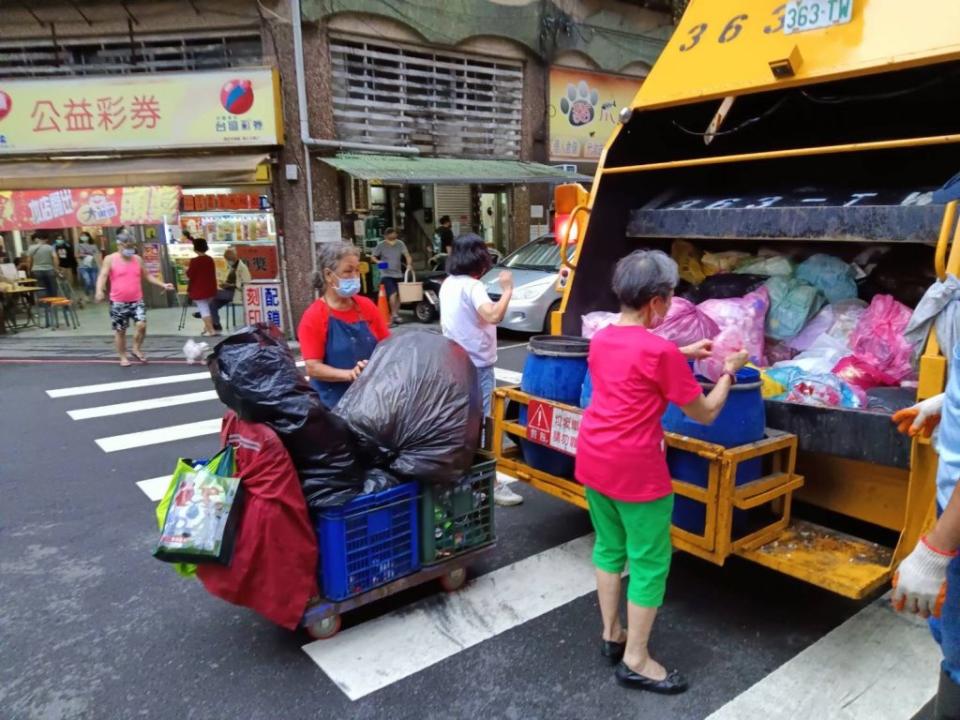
458, 518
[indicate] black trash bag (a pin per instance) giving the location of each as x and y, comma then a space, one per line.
256, 376
416, 409
375, 480
730, 285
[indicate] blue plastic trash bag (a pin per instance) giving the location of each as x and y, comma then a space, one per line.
792, 304
830, 275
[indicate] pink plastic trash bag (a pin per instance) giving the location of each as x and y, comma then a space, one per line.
686, 324
878, 338
741, 322
861, 375
592, 323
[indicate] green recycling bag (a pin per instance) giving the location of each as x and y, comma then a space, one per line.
198, 514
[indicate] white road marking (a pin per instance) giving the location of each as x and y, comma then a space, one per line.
379, 652
126, 384
513, 347
131, 384
159, 435
140, 405
878, 664
507, 376
154, 488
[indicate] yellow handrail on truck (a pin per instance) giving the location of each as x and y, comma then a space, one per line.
880, 51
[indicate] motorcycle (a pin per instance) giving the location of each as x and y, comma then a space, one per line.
428, 309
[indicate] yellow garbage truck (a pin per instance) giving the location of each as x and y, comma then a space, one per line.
823, 125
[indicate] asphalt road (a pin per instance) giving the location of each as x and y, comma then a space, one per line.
93, 626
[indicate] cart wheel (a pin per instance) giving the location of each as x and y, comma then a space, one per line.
454, 580
325, 628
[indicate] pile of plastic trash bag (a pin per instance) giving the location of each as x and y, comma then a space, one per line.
824, 330
415, 413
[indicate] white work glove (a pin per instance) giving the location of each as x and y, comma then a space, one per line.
925, 416
920, 583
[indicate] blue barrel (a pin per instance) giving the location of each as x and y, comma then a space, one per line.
586, 392
554, 370
742, 420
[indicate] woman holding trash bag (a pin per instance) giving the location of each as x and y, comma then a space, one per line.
469, 317
339, 331
621, 458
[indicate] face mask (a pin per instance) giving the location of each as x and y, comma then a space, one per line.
128, 252
348, 287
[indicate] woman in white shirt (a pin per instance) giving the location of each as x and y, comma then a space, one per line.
469, 317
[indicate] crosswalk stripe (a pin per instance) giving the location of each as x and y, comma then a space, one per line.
154, 488
507, 376
126, 384
159, 435
878, 664
140, 405
131, 384
409, 640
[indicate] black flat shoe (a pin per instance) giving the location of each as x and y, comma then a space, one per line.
613, 651
196, 315
673, 684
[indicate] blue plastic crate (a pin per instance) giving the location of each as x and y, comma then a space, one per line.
370, 541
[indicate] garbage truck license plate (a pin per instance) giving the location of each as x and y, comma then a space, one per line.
803, 15
553, 427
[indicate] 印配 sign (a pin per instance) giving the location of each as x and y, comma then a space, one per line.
262, 303
140, 112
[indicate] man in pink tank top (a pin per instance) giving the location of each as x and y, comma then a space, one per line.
124, 270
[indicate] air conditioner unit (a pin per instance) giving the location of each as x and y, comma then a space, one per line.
356, 195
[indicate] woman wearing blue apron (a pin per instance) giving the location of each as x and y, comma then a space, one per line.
338, 332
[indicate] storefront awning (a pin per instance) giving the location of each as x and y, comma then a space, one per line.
449, 171
197, 170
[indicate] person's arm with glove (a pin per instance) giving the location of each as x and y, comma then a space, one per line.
925, 416
919, 584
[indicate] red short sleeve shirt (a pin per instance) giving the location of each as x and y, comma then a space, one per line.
312, 330
620, 447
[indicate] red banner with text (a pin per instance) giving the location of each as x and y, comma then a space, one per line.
105, 206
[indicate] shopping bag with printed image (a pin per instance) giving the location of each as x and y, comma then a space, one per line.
201, 513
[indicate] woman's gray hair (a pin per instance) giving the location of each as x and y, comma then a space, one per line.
643, 275
328, 258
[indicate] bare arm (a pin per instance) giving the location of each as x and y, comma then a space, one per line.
102, 278
706, 408
326, 373
494, 313
946, 533
150, 278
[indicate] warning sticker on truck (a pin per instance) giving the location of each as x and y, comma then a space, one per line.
553, 427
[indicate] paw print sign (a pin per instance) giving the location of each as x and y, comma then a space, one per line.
580, 104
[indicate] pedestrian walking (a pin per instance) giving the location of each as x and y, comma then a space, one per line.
43, 264
338, 332
621, 459
202, 285
66, 260
125, 271
88, 264
394, 253
927, 581
469, 317
231, 290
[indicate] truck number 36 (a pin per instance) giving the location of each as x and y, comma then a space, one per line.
731, 31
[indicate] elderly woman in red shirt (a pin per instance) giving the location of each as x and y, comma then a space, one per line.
621, 458
202, 286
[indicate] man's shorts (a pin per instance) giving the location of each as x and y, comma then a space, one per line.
390, 285
121, 313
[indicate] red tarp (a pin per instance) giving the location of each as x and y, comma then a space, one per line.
274, 565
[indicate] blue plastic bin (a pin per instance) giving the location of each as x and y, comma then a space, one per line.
370, 541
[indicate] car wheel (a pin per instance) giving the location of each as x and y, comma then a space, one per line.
546, 320
425, 312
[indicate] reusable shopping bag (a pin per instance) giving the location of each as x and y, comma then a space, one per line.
200, 511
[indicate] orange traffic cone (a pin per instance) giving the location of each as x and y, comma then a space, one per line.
382, 305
